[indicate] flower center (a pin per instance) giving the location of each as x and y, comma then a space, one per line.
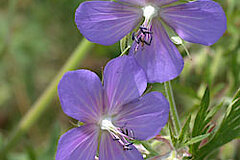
123, 136
149, 12
106, 124
144, 35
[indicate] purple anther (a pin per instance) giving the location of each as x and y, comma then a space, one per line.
145, 30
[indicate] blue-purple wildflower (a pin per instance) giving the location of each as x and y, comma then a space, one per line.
114, 114
106, 22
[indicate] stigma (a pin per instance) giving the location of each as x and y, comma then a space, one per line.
120, 134
106, 124
149, 12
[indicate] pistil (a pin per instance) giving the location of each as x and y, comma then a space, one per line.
123, 136
149, 12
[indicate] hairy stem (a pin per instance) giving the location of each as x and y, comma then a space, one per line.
43, 101
173, 110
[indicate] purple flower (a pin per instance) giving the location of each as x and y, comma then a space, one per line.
106, 22
113, 114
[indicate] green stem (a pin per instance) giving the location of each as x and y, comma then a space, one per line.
173, 110
42, 103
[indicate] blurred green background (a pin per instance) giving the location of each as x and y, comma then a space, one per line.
36, 38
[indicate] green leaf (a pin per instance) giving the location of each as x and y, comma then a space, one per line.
237, 94
212, 112
201, 115
228, 130
185, 132
199, 123
173, 138
197, 139
149, 148
125, 42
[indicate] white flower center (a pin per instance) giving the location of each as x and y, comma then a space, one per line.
149, 12
118, 134
106, 124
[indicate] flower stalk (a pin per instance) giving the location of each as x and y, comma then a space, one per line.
176, 125
43, 101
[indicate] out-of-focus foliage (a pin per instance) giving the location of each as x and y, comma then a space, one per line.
36, 38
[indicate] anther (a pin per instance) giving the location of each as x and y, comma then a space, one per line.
129, 144
116, 139
144, 35
148, 42
134, 38
144, 30
119, 134
127, 148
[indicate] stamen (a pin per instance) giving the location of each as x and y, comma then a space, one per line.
144, 34
144, 30
134, 38
123, 135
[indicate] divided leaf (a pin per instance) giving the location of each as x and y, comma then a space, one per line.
198, 139
185, 132
229, 129
212, 112
237, 95
202, 125
199, 123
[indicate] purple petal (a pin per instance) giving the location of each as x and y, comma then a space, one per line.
161, 60
78, 144
201, 22
106, 22
163, 2
113, 150
145, 117
81, 95
147, 2
134, 2
124, 81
